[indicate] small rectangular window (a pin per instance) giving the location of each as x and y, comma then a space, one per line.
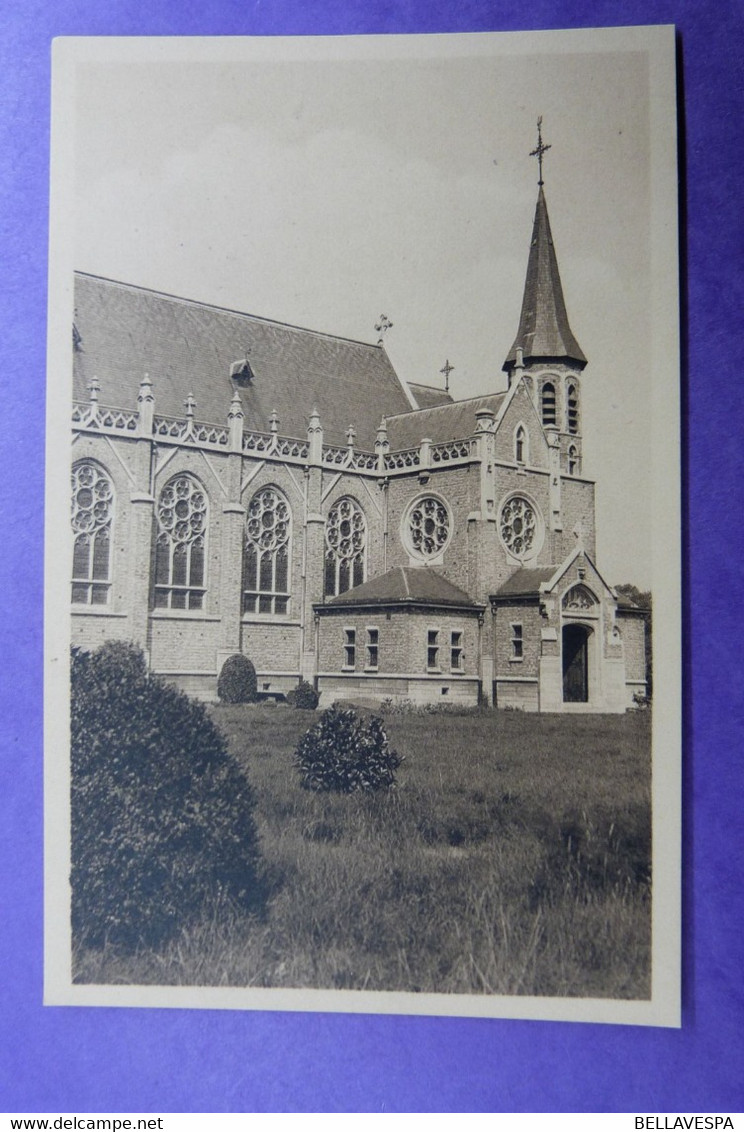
517, 642
432, 648
456, 654
373, 644
349, 648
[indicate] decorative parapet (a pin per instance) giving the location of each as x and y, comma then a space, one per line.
189, 431
270, 444
365, 462
406, 458
451, 451
334, 456
90, 415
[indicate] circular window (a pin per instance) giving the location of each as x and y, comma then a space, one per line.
182, 509
267, 525
428, 527
520, 527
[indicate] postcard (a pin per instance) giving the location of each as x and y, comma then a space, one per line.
363, 525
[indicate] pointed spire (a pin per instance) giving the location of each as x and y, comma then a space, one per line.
544, 330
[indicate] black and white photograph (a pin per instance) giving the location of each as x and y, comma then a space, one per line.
363, 582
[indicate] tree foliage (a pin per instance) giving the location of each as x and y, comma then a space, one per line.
162, 818
237, 682
343, 753
303, 696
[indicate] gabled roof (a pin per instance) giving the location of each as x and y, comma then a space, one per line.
443, 422
427, 396
544, 331
529, 581
405, 585
190, 348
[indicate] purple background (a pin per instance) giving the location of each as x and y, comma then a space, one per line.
57, 1059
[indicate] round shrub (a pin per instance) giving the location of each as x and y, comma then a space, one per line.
162, 817
237, 683
303, 696
342, 753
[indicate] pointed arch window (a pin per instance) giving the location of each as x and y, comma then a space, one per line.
572, 408
92, 522
547, 404
520, 445
346, 547
268, 533
180, 545
573, 460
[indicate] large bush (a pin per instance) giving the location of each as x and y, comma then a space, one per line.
237, 682
303, 696
344, 753
162, 818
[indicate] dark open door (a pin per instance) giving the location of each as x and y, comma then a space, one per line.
575, 664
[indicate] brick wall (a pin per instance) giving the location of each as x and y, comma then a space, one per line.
577, 501
528, 616
402, 640
460, 489
632, 631
521, 411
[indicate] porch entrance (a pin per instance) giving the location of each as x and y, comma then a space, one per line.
575, 664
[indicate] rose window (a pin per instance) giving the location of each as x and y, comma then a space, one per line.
268, 520
182, 510
179, 549
92, 513
429, 527
346, 539
266, 567
518, 526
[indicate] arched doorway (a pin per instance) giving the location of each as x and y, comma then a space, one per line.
576, 664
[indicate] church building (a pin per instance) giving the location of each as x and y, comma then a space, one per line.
242, 485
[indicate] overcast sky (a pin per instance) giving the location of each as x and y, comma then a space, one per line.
326, 191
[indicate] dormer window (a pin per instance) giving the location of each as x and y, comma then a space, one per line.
241, 372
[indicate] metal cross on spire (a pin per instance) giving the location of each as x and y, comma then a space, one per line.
382, 326
446, 370
540, 149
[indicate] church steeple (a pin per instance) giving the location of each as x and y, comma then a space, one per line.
544, 333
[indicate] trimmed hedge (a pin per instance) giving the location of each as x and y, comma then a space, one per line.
162, 817
237, 683
303, 696
342, 753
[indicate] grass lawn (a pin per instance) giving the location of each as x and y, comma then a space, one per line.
513, 857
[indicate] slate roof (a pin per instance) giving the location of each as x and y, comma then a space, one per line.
544, 331
427, 396
189, 347
443, 422
526, 581
405, 585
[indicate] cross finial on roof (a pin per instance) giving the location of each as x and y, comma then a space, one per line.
540, 149
382, 326
274, 421
446, 370
350, 436
190, 404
